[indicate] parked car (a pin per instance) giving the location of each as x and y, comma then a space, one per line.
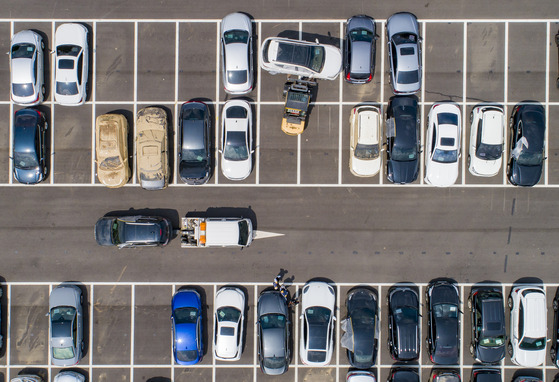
443, 335
404, 53
29, 146
360, 376
26, 68
69, 376
186, 327
133, 231
273, 328
195, 157
359, 49
528, 325
300, 58
403, 323
444, 375
486, 375
489, 335
487, 135
66, 325
360, 328
27, 378
526, 378
72, 62
111, 146
236, 140
365, 140
399, 374
527, 145
554, 349
152, 148
443, 144
236, 53
318, 301
1, 336
403, 139
230, 305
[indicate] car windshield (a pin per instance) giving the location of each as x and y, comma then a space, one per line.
447, 119
111, 163
408, 77
317, 315
185, 315
117, 231
361, 35
445, 311
237, 76
23, 51
316, 356
445, 156
66, 88
362, 357
272, 321
527, 158
532, 343
243, 232
273, 362
25, 160
404, 154
68, 50
187, 355
311, 57
229, 314
489, 152
235, 36
366, 152
404, 38
22, 90
492, 342
405, 313
235, 146
198, 155
63, 353
62, 313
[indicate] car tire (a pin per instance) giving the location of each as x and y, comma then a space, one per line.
43, 90
510, 303
472, 349
509, 350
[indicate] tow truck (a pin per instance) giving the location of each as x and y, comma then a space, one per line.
297, 94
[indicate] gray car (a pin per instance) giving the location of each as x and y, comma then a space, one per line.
133, 231
273, 333
26, 68
359, 49
66, 325
29, 146
236, 53
195, 158
404, 53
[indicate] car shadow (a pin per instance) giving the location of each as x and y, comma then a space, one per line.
3, 316
226, 212
528, 373
43, 373
159, 379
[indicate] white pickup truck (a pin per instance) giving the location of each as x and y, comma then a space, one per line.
215, 232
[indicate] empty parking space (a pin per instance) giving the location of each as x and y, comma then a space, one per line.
5, 44
192, 374
110, 375
152, 374
553, 142
553, 62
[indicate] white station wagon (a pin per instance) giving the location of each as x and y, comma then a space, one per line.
364, 159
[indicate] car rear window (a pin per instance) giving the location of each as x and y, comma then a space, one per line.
22, 90
447, 119
237, 76
227, 331
408, 77
67, 88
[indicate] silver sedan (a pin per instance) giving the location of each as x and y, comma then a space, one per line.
26, 68
236, 53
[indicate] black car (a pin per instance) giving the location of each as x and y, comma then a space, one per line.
443, 323
133, 231
194, 143
29, 160
486, 375
488, 325
447, 375
403, 323
527, 146
403, 139
361, 328
554, 349
403, 375
359, 49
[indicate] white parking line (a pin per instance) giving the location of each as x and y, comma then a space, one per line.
464, 110
548, 48
379, 326
212, 337
52, 86
217, 129
93, 85
295, 334
132, 323
175, 128
422, 105
270, 21
8, 294
340, 99
505, 98
91, 320
255, 336
10, 128
339, 318
258, 104
135, 103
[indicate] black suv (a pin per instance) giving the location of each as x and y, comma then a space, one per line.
29, 146
133, 231
488, 325
403, 323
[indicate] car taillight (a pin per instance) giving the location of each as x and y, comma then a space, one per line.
431, 358
435, 105
40, 114
348, 76
476, 292
370, 77
475, 373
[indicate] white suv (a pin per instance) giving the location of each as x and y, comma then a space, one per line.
528, 325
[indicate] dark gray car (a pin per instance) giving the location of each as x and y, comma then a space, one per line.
29, 148
194, 143
404, 52
359, 49
273, 333
133, 231
444, 324
403, 323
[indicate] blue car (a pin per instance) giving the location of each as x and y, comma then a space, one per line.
186, 325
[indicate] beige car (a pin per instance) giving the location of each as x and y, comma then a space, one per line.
365, 141
111, 144
152, 157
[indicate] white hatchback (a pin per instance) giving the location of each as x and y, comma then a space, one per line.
71, 64
442, 144
236, 140
26, 68
230, 304
487, 134
69, 376
364, 159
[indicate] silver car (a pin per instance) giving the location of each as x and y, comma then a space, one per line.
273, 333
69, 376
236, 53
404, 53
26, 68
66, 325
27, 378
359, 49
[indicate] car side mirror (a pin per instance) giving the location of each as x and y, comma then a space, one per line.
220, 151
301, 316
335, 319
252, 151
316, 40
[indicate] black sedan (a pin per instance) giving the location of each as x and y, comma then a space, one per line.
527, 144
486, 375
403, 139
361, 328
443, 323
194, 143
29, 147
403, 375
555, 341
133, 231
403, 324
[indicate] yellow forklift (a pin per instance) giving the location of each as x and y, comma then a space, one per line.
297, 94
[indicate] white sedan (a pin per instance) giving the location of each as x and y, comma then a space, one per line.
364, 159
236, 53
317, 323
230, 304
69, 376
72, 61
236, 140
487, 135
26, 68
443, 144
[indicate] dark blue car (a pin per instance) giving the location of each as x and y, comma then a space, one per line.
29, 153
186, 325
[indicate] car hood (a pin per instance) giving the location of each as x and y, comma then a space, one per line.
71, 33
401, 22
194, 173
66, 295
360, 22
525, 175
402, 172
332, 63
490, 355
441, 174
485, 167
529, 358
28, 176
236, 170
318, 295
103, 231
362, 167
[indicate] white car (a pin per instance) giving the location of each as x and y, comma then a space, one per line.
442, 144
528, 325
236, 140
69, 376
72, 61
300, 58
487, 135
236, 53
317, 323
364, 158
230, 304
27, 378
360, 376
26, 68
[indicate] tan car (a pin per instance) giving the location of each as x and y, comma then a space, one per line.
152, 156
111, 144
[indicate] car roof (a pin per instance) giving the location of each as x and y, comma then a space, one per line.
25, 131
23, 71
492, 132
193, 134
447, 131
533, 121
368, 127
404, 110
361, 57
535, 315
408, 61
222, 232
273, 342
493, 316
